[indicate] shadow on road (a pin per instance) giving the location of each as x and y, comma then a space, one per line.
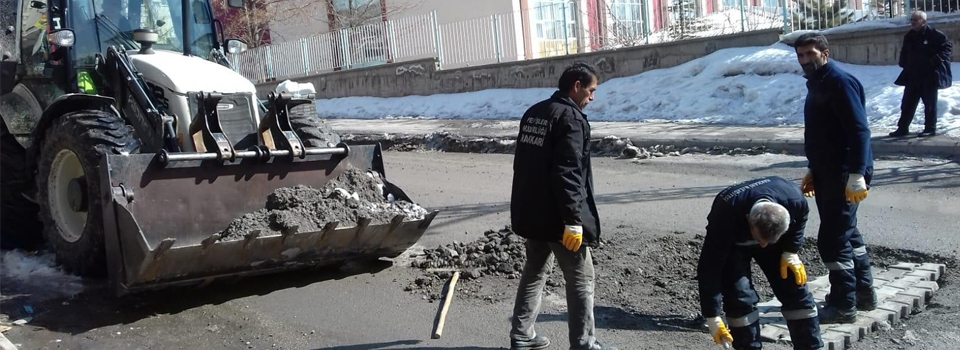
454, 214
607, 317
392, 344
98, 307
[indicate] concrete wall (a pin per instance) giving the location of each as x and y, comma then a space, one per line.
422, 77
882, 46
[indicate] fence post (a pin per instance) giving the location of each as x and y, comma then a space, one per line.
566, 36
303, 55
786, 19
345, 47
496, 37
646, 21
743, 25
269, 63
438, 43
392, 41
907, 3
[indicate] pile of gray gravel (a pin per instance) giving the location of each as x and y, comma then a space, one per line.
353, 195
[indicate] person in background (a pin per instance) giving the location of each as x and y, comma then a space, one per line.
925, 58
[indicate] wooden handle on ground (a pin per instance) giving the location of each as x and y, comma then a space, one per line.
438, 328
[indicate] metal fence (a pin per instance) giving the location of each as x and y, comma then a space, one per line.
557, 27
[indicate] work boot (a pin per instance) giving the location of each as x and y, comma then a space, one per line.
928, 133
831, 314
899, 133
538, 342
866, 299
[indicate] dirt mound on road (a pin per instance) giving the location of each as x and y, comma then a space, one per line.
347, 198
643, 274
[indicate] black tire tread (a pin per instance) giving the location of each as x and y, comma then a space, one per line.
90, 134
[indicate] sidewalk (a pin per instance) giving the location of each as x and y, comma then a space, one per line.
775, 138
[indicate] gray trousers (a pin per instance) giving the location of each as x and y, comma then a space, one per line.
577, 268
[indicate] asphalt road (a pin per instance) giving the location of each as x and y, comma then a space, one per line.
914, 204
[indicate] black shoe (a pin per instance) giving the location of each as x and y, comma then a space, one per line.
928, 133
899, 133
831, 314
866, 300
538, 342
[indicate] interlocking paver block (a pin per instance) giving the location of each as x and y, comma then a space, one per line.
928, 285
890, 275
904, 266
899, 309
939, 269
889, 317
927, 275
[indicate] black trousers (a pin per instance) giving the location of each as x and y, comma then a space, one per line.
912, 94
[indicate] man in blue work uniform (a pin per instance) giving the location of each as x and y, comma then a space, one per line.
763, 220
840, 162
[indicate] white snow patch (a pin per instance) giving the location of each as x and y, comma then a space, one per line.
38, 273
738, 86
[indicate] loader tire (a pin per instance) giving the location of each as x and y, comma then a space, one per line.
313, 131
69, 186
19, 222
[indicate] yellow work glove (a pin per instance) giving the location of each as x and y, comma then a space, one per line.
573, 237
856, 189
719, 331
791, 261
806, 185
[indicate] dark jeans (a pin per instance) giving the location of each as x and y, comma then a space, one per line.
577, 268
912, 94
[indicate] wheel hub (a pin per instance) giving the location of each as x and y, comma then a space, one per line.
68, 198
77, 194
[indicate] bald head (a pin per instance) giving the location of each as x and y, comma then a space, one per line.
918, 20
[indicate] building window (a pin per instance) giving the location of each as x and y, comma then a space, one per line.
626, 18
548, 19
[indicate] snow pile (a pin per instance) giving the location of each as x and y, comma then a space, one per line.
38, 273
738, 86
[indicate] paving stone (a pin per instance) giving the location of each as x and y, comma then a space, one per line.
902, 289
928, 285
891, 274
899, 310
927, 275
854, 331
904, 266
774, 333
842, 338
938, 269
832, 340
889, 317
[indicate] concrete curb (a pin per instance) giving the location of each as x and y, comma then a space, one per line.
882, 146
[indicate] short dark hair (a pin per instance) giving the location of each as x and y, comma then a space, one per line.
579, 71
816, 39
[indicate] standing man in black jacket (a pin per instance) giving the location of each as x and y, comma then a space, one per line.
761, 220
925, 58
840, 162
552, 206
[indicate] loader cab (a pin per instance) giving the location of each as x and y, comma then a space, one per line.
182, 26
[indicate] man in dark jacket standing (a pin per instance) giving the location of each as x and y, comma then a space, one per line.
840, 162
761, 220
925, 58
552, 206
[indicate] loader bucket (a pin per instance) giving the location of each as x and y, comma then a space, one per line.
161, 218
